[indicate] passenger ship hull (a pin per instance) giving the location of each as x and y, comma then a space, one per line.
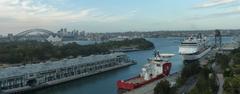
190, 57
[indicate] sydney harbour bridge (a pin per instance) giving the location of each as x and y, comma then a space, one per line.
34, 34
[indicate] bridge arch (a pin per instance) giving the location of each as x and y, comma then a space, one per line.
24, 35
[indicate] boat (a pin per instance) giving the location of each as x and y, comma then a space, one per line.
157, 67
34, 76
194, 47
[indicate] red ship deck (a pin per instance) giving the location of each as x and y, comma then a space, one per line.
139, 81
136, 80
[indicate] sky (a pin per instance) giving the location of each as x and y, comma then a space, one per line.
118, 15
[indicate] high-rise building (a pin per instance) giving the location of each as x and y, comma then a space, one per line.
10, 37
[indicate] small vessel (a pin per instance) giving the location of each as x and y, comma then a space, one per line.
194, 47
156, 68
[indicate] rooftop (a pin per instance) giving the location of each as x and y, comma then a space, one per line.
44, 66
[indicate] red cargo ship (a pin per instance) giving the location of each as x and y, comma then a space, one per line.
157, 68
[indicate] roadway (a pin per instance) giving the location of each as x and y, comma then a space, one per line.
188, 86
221, 83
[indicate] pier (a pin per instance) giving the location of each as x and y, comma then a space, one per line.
32, 76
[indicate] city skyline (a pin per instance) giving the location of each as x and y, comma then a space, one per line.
118, 16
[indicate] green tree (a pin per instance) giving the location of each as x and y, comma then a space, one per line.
232, 85
223, 60
188, 70
206, 82
163, 87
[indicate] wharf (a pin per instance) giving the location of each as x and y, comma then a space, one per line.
225, 49
35, 76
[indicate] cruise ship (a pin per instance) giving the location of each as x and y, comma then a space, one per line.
156, 68
34, 76
194, 47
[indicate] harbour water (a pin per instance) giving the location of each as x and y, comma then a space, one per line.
105, 83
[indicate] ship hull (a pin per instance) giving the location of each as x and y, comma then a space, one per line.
130, 86
126, 85
191, 57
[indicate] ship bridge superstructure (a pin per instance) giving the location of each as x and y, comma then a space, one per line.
155, 66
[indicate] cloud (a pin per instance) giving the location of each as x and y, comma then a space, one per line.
33, 11
214, 3
235, 11
228, 12
20, 15
228, 8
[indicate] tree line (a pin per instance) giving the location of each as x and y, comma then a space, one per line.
34, 52
232, 73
